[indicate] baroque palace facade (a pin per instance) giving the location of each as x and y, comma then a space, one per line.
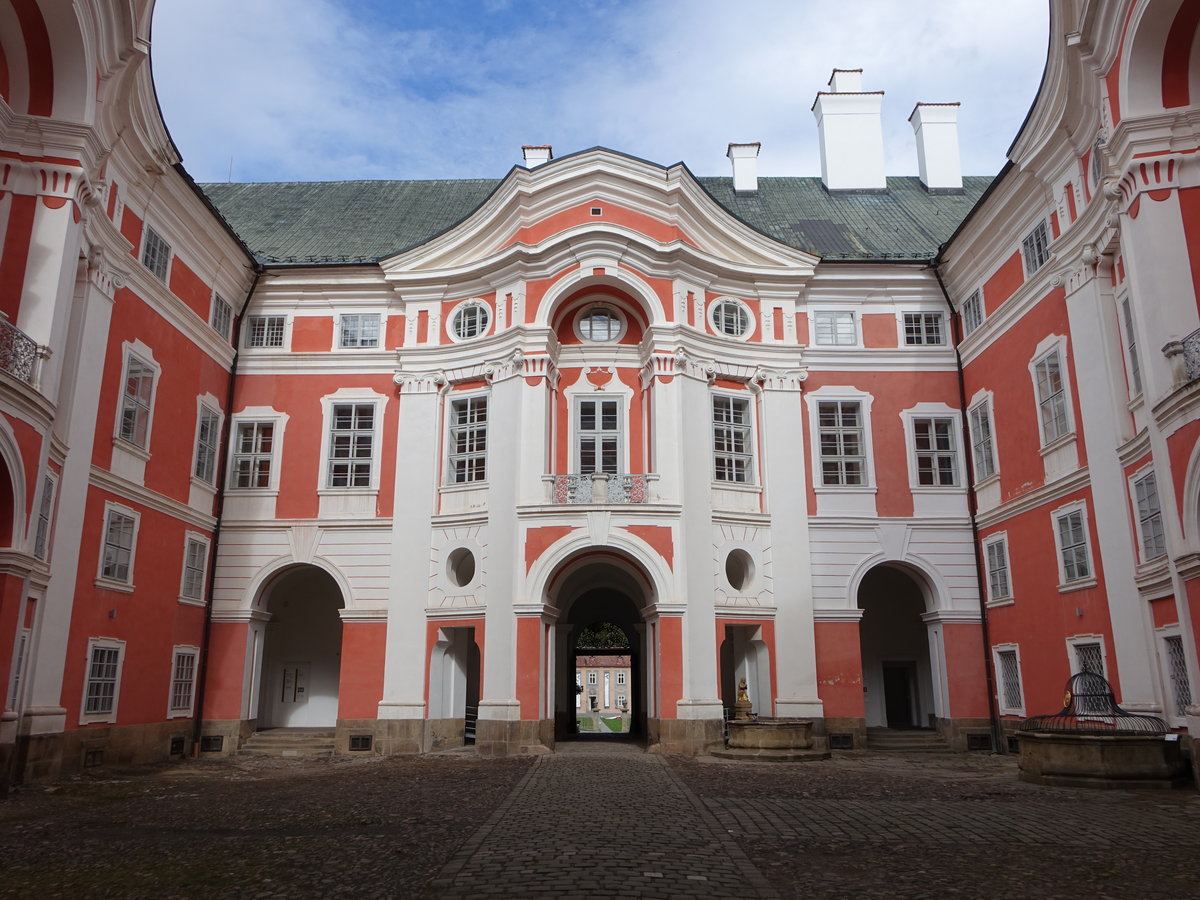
369, 456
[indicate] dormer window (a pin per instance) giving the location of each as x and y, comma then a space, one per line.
600, 324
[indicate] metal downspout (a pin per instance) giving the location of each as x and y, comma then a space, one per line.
998, 743
222, 463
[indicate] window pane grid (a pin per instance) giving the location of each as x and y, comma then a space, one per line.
207, 438
156, 254
923, 329
351, 445
1135, 368
599, 324
265, 331
1052, 401
840, 434
1035, 249
1072, 540
981, 442
972, 312
118, 546
42, 534
599, 436
731, 439
731, 319
1010, 679
937, 461
102, 680
252, 454
182, 681
194, 560
1150, 524
222, 316
359, 331
1181, 688
468, 440
997, 564
135, 402
471, 321
834, 328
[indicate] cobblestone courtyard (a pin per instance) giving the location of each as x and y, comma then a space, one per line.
594, 820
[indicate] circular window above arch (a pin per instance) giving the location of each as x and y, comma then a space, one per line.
460, 567
600, 323
739, 569
469, 320
731, 317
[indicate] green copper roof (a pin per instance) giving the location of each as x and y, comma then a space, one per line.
340, 222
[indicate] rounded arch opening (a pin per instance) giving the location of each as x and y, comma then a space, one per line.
600, 279
1161, 68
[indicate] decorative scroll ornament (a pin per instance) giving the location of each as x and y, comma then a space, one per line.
419, 382
503, 369
780, 379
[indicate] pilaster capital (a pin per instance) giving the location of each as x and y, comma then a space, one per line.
780, 379
419, 382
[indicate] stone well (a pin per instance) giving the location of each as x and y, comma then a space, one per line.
783, 740
1101, 760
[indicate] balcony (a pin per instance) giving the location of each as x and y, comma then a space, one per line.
18, 352
599, 488
1191, 355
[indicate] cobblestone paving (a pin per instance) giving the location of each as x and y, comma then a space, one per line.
601, 821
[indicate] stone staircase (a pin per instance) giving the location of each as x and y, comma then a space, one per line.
915, 740
307, 743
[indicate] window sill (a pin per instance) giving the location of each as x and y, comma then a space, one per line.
989, 481
132, 449
98, 719
938, 489
191, 601
1002, 601
107, 584
206, 485
845, 489
1078, 585
1057, 443
252, 492
744, 487
179, 714
348, 492
459, 487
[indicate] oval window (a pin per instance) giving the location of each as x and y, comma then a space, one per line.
739, 569
731, 317
470, 320
600, 323
460, 567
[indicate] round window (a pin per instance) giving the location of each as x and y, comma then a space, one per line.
731, 317
460, 567
470, 320
600, 323
739, 569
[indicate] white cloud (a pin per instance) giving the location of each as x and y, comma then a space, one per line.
317, 89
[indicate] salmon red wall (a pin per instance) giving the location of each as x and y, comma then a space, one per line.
225, 674
839, 669
529, 666
670, 665
964, 662
360, 685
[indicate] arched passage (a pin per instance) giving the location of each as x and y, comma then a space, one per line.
897, 675
302, 649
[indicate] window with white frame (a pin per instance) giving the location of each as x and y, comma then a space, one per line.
1087, 655
468, 439
137, 400
41, 534
253, 455
1179, 685
924, 329
598, 436
358, 330
731, 317
983, 450
832, 329
222, 316
996, 551
265, 331
120, 538
208, 438
1008, 676
842, 443
195, 565
102, 681
599, 324
20, 658
156, 254
1051, 396
1149, 515
972, 312
591, 676
622, 701
1035, 248
470, 319
1131, 351
183, 681
351, 445
620, 678
731, 439
1070, 534
578, 690
935, 450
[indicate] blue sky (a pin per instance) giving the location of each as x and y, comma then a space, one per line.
300, 90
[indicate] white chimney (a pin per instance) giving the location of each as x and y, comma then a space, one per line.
745, 166
936, 128
851, 134
536, 155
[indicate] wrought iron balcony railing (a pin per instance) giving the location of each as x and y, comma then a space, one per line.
599, 487
18, 352
1191, 355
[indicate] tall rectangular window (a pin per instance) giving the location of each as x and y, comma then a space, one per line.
100, 692
1035, 248
222, 316
208, 436
1131, 351
972, 312
253, 447
359, 330
1149, 513
41, 535
923, 329
999, 587
841, 437
1051, 396
265, 331
119, 531
183, 681
156, 254
351, 445
18, 671
731, 439
136, 401
1088, 657
834, 329
468, 440
195, 561
1073, 546
598, 436
983, 451
1008, 672
937, 455
1177, 675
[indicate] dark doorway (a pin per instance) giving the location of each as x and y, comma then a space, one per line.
899, 681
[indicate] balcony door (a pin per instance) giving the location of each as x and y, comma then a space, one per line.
598, 436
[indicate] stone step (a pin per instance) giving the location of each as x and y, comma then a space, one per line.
896, 741
308, 743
